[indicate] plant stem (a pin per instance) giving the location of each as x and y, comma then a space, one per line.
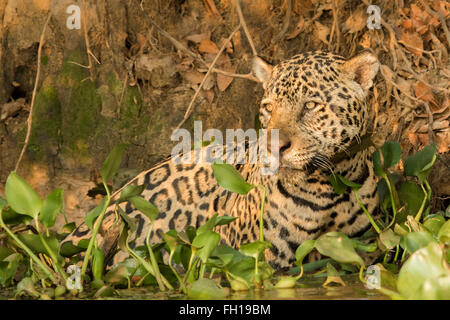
369, 216
422, 206
394, 210
182, 287
45, 268
261, 215
50, 251
153, 259
94, 233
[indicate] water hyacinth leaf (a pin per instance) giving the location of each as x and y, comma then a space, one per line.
364, 247
4, 252
13, 218
118, 275
337, 184
348, 183
392, 153
413, 241
206, 242
69, 227
90, 218
223, 220
433, 223
339, 247
286, 283
423, 265
112, 162
230, 179
411, 197
333, 276
144, 206
170, 240
8, 267
98, 259
2, 203
420, 163
21, 197
434, 289
254, 249
208, 225
26, 286
131, 191
303, 250
444, 233
206, 289
33, 241
226, 254
51, 207
389, 239
238, 285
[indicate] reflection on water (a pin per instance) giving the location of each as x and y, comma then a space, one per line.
308, 288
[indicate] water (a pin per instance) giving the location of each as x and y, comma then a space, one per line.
308, 288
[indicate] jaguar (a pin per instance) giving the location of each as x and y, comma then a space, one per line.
317, 103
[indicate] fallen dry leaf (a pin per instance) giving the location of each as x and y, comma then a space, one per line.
424, 93
298, 29
321, 31
413, 42
197, 38
443, 141
208, 46
208, 94
356, 21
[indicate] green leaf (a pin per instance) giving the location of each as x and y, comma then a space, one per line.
52, 206
118, 275
433, 223
333, 276
33, 241
223, 220
21, 197
98, 259
417, 240
425, 264
444, 233
411, 198
4, 252
90, 218
131, 191
364, 247
206, 289
339, 247
112, 162
144, 206
420, 163
286, 282
26, 285
254, 249
206, 242
389, 239
303, 250
230, 179
8, 267
208, 225
170, 240
337, 184
392, 153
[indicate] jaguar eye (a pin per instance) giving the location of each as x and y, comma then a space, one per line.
310, 104
268, 107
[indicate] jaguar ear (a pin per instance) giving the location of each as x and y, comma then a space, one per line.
262, 70
362, 69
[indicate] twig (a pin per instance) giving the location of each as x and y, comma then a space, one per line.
191, 104
244, 26
181, 47
33, 97
286, 23
86, 39
430, 121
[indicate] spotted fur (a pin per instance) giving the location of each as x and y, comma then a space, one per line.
317, 102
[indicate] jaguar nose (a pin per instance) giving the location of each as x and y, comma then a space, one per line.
284, 143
